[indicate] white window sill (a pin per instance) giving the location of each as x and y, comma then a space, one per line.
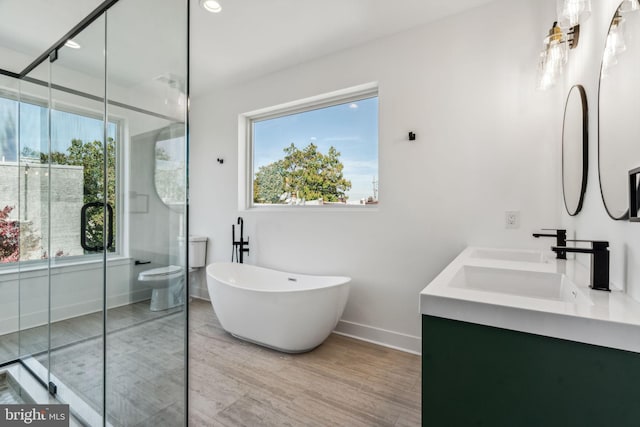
302, 208
40, 269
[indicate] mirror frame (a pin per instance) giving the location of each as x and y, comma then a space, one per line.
585, 147
624, 216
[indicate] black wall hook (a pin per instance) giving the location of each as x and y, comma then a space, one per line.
412, 136
219, 160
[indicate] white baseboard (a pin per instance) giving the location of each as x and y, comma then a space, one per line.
396, 340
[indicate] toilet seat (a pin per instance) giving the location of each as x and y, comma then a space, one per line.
161, 273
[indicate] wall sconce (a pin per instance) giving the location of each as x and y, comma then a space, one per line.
573, 12
555, 54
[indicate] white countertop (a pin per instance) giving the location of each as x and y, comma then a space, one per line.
613, 320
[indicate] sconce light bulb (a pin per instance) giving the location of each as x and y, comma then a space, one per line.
573, 12
552, 58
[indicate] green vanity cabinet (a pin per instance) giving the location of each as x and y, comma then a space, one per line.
474, 375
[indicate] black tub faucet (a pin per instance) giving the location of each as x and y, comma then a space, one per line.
239, 246
561, 239
599, 252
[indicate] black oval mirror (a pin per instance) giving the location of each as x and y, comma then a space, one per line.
618, 104
575, 148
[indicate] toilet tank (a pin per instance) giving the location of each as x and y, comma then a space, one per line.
197, 251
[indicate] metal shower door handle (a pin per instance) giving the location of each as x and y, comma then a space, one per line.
83, 226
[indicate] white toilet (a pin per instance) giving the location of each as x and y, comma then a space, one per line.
168, 282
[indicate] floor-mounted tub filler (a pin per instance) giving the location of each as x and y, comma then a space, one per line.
288, 312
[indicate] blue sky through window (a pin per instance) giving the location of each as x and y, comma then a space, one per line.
67, 126
351, 128
33, 129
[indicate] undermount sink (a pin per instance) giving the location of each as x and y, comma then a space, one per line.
549, 298
530, 284
509, 255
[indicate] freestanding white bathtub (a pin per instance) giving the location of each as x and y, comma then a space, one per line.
288, 312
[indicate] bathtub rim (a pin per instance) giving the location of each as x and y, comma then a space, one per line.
344, 280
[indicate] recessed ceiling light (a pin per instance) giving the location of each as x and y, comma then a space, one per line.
212, 6
73, 45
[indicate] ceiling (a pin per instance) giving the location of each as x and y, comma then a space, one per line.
247, 39
255, 37
30, 27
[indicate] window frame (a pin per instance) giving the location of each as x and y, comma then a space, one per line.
121, 123
246, 148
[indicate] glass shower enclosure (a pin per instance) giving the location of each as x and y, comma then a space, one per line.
93, 216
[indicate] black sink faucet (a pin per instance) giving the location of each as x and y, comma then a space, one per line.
599, 252
239, 246
561, 239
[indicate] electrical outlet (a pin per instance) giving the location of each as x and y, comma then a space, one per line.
512, 219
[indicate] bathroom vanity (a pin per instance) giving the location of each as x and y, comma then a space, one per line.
517, 338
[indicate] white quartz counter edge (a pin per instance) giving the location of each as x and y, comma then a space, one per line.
613, 320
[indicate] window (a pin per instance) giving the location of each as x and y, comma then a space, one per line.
316, 152
31, 198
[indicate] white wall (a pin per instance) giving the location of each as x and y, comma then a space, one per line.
486, 143
593, 222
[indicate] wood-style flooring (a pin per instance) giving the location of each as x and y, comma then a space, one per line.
344, 382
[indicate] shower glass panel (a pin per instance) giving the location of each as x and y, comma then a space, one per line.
81, 161
34, 214
145, 343
9, 220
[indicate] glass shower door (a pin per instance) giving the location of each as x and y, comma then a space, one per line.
146, 340
60, 285
82, 172
34, 215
